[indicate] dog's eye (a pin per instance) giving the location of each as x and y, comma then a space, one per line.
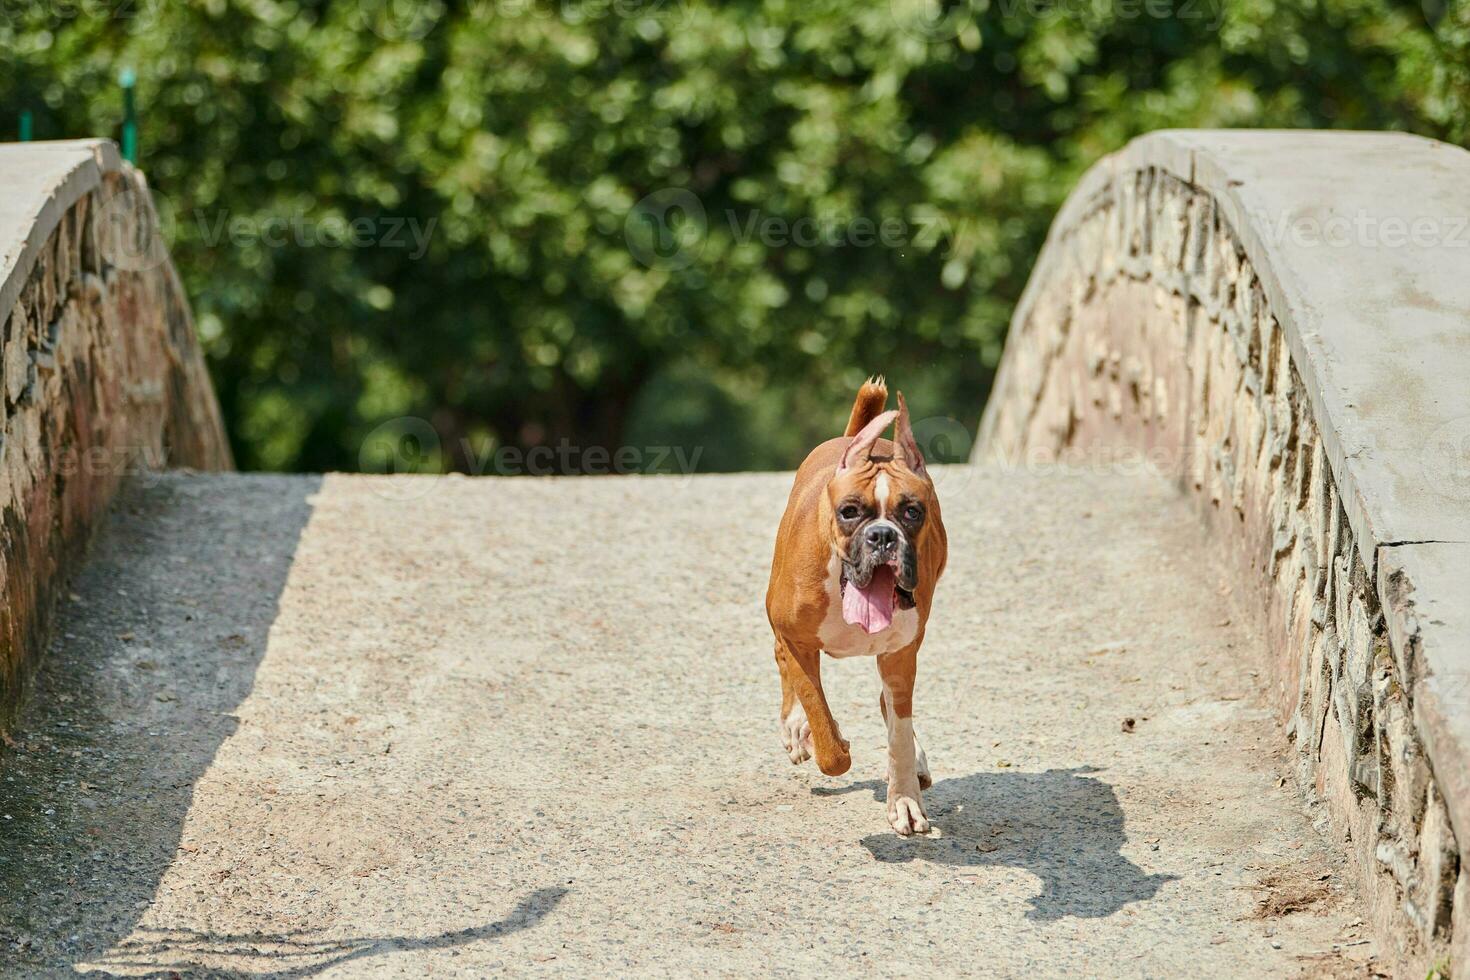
913, 512
850, 512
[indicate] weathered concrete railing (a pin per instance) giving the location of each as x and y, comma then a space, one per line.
1281, 320
102, 373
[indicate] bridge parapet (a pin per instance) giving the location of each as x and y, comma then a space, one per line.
100, 371
1281, 321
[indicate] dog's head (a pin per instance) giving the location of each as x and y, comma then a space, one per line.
884, 521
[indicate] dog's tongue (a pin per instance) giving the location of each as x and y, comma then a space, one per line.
870, 607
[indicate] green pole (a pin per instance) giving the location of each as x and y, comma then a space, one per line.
27, 125
130, 116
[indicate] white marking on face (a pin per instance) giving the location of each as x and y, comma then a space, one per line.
880, 490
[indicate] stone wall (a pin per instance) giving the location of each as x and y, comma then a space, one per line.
101, 371
1183, 316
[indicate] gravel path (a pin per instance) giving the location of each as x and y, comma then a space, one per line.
353, 726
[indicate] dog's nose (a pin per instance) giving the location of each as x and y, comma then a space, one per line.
881, 537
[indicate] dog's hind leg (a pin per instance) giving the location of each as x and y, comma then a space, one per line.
807, 726
922, 762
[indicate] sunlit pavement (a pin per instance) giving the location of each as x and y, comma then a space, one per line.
356, 726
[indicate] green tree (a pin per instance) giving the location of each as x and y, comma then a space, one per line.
657, 220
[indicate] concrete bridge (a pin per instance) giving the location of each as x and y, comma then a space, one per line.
1195, 693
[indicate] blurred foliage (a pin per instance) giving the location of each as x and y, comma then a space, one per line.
518, 136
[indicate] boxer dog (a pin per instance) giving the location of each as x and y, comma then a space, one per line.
858, 553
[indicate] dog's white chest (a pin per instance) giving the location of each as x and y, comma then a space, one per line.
842, 639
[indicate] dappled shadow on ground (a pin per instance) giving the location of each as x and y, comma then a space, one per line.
295, 954
1061, 825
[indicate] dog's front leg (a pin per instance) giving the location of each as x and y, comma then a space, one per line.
905, 800
801, 675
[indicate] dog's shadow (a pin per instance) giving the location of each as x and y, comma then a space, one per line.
1061, 825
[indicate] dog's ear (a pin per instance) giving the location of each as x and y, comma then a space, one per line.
862, 443
907, 448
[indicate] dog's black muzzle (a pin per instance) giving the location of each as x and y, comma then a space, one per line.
878, 544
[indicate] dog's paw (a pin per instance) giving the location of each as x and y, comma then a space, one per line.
839, 762
906, 815
796, 735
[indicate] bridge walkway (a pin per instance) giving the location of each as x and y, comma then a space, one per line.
356, 726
